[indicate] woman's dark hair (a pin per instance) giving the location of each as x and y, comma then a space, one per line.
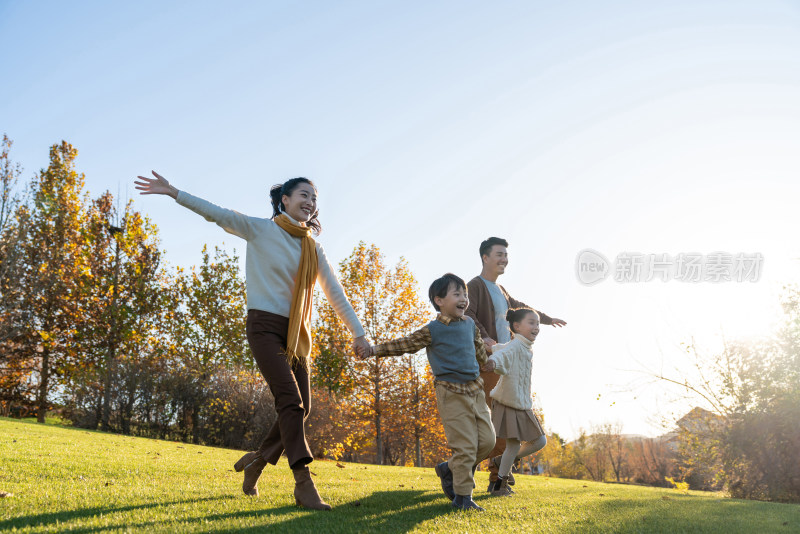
441, 286
516, 315
276, 196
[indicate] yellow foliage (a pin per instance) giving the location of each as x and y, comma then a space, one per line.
683, 487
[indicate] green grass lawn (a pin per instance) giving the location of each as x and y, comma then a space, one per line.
71, 480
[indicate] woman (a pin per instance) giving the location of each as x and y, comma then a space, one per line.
283, 263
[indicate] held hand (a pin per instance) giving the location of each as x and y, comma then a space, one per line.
362, 347
155, 186
559, 322
488, 367
489, 342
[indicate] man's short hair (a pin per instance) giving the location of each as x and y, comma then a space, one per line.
487, 245
441, 286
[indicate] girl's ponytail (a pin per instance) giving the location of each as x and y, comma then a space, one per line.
516, 315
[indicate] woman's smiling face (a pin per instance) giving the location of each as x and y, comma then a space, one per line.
301, 205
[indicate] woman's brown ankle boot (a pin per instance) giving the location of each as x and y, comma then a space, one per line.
305, 492
252, 464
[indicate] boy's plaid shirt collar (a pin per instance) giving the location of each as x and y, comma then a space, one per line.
447, 320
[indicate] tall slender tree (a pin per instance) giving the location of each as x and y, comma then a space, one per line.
52, 263
15, 362
120, 296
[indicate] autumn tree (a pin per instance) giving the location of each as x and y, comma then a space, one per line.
430, 443
609, 441
51, 263
587, 455
91, 322
121, 289
207, 331
391, 393
552, 457
334, 429
16, 363
138, 315
651, 460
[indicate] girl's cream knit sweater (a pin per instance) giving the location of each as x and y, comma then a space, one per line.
513, 360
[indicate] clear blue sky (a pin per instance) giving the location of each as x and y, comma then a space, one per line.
428, 126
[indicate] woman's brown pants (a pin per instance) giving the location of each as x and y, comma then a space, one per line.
290, 387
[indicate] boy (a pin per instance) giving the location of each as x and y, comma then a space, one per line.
455, 351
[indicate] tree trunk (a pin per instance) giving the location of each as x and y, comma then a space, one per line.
41, 411
98, 411
198, 399
126, 410
194, 420
378, 440
112, 346
378, 435
417, 446
106, 423
418, 449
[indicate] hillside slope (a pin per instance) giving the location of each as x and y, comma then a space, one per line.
72, 480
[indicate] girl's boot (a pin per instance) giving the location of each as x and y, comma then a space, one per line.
500, 488
496, 463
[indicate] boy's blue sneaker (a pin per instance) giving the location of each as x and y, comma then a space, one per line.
446, 476
465, 502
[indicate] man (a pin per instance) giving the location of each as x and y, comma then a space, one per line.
488, 304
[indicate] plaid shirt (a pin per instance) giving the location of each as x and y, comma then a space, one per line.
421, 339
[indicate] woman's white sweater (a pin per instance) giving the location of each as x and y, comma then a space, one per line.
272, 260
514, 361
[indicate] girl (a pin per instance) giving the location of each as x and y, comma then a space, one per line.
512, 404
283, 264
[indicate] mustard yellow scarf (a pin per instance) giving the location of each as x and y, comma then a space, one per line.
298, 339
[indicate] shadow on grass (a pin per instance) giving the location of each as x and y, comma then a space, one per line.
386, 511
403, 510
65, 516
382, 511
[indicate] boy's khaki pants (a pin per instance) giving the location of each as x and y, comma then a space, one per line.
468, 427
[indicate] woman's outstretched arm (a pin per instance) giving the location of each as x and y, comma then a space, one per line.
231, 221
